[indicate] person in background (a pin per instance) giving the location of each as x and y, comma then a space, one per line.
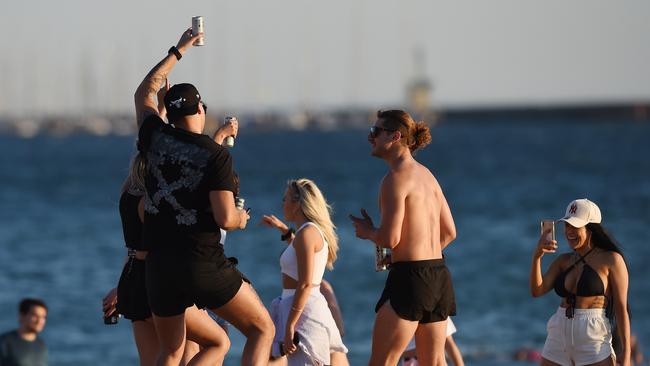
590, 279
305, 328
23, 346
635, 352
527, 354
416, 224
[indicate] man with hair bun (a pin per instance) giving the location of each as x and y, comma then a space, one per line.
416, 224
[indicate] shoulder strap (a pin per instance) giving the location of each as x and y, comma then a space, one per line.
317, 228
303, 226
580, 259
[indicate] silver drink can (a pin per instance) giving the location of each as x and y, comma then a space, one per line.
197, 27
230, 140
380, 258
239, 203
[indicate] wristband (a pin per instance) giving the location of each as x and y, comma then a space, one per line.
176, 52
288, 234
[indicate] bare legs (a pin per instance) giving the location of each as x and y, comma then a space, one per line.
246, 312
171, 335
146, 341
191, 350
453, 352
430, 341
211, 338
201, 329
392, 334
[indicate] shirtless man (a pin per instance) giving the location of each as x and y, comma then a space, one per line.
416, 224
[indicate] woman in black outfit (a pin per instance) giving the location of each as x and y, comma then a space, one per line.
130, 296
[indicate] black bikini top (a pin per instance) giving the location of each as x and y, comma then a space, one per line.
589, 283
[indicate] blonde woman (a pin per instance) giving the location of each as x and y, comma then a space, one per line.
305, 329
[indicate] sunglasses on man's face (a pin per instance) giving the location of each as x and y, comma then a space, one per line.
205, 107
376, 130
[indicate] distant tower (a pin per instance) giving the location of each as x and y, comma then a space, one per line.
88, 85
419, 89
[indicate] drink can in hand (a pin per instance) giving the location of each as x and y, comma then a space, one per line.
230, 140
380, 259
239, 203
112, 319
197, 27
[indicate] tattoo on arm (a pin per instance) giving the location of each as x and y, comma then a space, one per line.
154, 81
149, 86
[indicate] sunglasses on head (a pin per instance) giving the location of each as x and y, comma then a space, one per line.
376, 130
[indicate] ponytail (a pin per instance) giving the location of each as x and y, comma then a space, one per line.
420, 137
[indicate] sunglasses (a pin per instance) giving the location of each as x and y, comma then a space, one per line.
376, 130
205, 107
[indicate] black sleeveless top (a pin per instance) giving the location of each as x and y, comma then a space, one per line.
131, 224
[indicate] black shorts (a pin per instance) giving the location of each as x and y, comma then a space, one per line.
176, 282
132, 300
420, 291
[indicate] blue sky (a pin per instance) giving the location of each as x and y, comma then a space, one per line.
80, 56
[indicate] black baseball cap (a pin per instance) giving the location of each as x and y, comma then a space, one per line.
182, 100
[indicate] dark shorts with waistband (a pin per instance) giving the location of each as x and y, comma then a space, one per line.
420, 291
175, 282
132, 301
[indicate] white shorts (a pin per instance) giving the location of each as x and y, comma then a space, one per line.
582, 340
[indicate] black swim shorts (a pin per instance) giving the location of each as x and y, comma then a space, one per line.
420, 291
132, 301
175, 282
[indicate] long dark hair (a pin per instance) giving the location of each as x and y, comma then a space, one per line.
602, 239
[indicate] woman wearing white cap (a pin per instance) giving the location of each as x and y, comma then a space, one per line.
593, 283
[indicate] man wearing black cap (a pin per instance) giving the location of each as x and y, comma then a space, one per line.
189, 197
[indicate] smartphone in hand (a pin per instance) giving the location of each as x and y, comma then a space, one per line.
548, 228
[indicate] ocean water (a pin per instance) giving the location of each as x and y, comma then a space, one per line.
60, 237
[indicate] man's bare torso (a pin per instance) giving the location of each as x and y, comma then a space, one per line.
420, 234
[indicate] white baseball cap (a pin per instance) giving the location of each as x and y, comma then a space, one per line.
582, 212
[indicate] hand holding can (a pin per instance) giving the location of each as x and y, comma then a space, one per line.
197, 27
239, 203
381, 256
230, 140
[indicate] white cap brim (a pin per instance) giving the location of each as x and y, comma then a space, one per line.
574, 221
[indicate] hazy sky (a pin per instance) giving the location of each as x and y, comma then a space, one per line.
82, 55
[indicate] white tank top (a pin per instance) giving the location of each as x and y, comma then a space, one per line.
289, 264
